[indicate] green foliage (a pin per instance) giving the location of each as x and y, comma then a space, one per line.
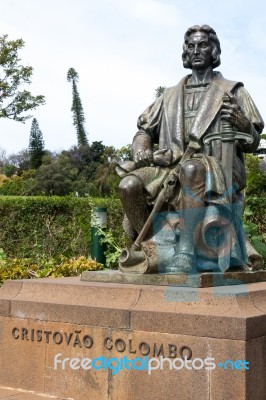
74, 266
84, 170
13, 102
53, 226
252, 230
25, 268
124, 153
2, 255
32, 227
41, 227
97, 150
113, 251
113, 236
18, 185
107, 180
9, 170
159, 91
256, 177
255, 212
72, 171
36, 145
77, 109
87, 159
55, 177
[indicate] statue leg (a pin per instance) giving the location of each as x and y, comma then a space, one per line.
133, 198
192, 209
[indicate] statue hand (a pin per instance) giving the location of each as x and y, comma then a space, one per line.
143, 158
232, 113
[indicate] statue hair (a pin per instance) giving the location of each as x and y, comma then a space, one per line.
216, 49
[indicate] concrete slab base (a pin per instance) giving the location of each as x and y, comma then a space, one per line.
198, 280
46, 320
15, 394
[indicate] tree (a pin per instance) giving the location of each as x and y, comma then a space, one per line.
36, 145
2, 157
20, 160
107, 180
13, 101
159, 91
77, 109
124, 153
97, 149
55, 177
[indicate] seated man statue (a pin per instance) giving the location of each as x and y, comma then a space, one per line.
171, 148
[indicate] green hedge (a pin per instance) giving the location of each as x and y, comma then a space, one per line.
33, 226
54, 226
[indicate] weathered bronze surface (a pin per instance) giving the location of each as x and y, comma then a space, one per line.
182, 198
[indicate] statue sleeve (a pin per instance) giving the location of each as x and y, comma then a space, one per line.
149, 126
250, 110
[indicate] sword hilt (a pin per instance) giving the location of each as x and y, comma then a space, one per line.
226, 126
227, 134
230, 136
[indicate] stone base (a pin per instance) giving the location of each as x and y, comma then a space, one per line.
199, 280
42, 318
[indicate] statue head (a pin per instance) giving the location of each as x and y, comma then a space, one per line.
213, 38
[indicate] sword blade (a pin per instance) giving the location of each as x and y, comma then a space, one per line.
226, 231
227, 165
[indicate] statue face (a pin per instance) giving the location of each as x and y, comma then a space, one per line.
199, 50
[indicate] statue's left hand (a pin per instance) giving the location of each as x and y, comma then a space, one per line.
232, 113
143, 158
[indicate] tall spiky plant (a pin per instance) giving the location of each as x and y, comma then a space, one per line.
77, 109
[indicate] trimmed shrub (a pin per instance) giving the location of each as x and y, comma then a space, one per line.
53, 226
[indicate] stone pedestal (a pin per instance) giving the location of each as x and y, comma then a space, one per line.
40, 319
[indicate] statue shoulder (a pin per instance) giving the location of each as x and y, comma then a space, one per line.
176, 89
170, 90
228, 84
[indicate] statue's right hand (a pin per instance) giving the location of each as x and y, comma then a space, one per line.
143, 158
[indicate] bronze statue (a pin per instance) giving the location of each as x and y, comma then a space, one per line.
182, 194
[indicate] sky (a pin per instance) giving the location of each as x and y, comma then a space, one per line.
122, 50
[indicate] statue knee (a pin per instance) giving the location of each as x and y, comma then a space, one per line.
191, 171
129, 186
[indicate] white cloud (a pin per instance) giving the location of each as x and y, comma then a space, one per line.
152, 11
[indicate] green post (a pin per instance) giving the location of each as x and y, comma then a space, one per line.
99, 219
